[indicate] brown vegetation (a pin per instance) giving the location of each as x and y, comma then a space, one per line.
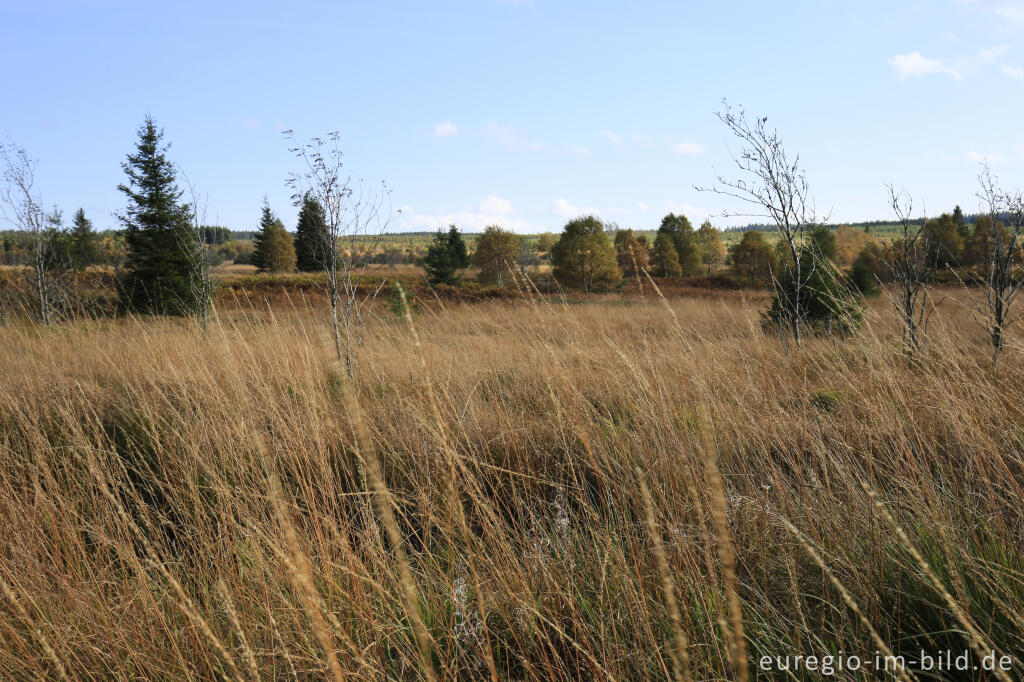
614, 489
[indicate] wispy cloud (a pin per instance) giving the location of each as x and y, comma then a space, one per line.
509, 137
445, 129
915, 64
1014, 72
577, 149
986, 158
612, 137
1010, 11
688, 148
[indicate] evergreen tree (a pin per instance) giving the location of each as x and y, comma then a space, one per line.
312, 240
84, 249
826, 302
161, 276
823, 241
446, 256
664, 259
684, 240
962, 227
274, 248
584, 258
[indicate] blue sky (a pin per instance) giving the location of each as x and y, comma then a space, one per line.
521, 113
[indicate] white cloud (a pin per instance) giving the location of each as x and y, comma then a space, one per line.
497, 205
468, 221
561, 207
445, 129
688, 148
690, 211
642, 206
914, 64
509, 137
1011, 11
1014, 72
986, 158
612, 137
577, 149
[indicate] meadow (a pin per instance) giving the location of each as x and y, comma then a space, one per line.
611, 487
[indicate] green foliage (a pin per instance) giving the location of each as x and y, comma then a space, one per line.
962, 228
83, 247
497, 251
664, 259
546, 242
584, 258
944, 241
215, 234
823, 303
710, 243
872, 265
978, 248
312, 239
274, 248
446, 256
753, 259
685, 242
630, 255
160, 273
823, 241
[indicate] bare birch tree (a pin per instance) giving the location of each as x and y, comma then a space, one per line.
909, 263
24, 209
776, 188
1002, 277
356, 215
198, 253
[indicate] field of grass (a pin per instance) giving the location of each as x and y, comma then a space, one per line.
622, 488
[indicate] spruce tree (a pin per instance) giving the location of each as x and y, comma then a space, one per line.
161, 276
446, 256
312, 239
84, 250
274, 250
962, 228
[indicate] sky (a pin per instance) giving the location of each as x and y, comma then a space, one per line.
520, 113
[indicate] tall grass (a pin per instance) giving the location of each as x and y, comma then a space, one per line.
593, 491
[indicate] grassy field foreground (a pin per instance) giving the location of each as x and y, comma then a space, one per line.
610, 490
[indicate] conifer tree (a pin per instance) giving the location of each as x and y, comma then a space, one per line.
962, 228
266, 218
160, 273
277, 250
312, 240
446, 256
84, 249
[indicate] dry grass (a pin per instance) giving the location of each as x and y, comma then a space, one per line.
188, 505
